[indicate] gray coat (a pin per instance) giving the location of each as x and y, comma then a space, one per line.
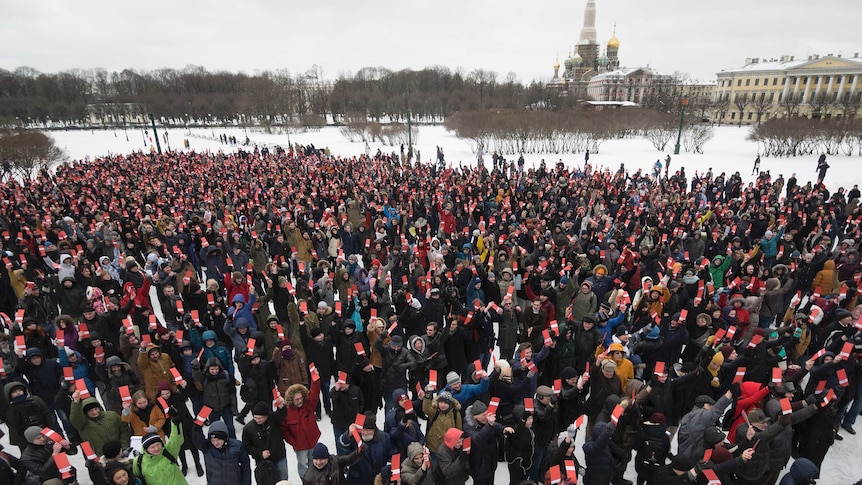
693, 424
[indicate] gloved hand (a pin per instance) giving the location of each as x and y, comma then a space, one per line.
150, 429
175, 414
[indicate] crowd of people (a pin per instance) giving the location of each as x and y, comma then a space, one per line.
162, 308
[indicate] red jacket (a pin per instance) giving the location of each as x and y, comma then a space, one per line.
752, 394
299, 428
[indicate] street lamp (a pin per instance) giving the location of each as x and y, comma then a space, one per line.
682, 104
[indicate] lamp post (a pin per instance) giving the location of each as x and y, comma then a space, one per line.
682, 104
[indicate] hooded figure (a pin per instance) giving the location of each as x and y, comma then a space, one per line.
227, 460
97, 425
413, 473
25, 410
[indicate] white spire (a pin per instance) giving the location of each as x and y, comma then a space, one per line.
588, 33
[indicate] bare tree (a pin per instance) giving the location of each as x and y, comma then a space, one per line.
849, 105
721, 106
790, 104
761, 104
820, 104
741, 101
25, 152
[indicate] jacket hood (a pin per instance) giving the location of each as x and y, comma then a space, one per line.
610, 403
803, 470
829, 265
209, 335
218, 426
88, 401
414, 449
237, 298
7, 389
451, 437
213, 361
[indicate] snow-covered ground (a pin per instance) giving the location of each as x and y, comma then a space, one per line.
728, 152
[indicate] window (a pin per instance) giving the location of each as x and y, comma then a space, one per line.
747, 82
733, 115
771, 97
756, 82
750, 115
739, 82
775, 81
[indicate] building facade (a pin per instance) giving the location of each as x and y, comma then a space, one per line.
816, 87
640, 85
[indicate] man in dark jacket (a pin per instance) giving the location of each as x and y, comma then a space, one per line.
395, 365
597, 452
226, 458
483, 430
328, 469
262, 437
375, 451
24, 411
346, 404
691, 427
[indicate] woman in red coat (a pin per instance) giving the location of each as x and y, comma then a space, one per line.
299, 428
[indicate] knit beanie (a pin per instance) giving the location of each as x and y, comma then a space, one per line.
320, 452
32, 433
478, 408
452, 378
149, 439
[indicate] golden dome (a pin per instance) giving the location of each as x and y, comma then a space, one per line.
614, 43
557, 64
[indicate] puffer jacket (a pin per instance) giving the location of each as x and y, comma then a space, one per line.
154, 371
826, 279
439, 422
229, 465
218, 391
597, 452
395, 365
37, 460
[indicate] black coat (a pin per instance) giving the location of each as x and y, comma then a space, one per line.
266, 436
597, 452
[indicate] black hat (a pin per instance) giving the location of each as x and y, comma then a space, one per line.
150, 439
261, 409
703, 399
711, 436
682, 463
111, 449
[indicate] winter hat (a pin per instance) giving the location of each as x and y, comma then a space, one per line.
711, 436
396, 341
320, 452
370, 419
682, 463
842, 313
260, 409
149, 439
90, 405
703, 399
111, 449
657, 418
609, 365
653, 334
721, 455
544, 391
725, 350
568, 373
315, 332
164, 386
451, 437
31, 433
478, 408
452, 378
772, 284
564, 280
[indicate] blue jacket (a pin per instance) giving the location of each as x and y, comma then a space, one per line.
81, 369
608, 330
218, 351
229, 465
770, 246
469, 392
375, 457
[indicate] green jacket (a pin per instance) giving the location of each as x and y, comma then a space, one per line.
108, 426
159, 469
717, 272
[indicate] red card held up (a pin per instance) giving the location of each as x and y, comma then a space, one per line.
203, 415
615, 416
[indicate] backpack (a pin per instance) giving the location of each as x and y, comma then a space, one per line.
651, 456
139, 461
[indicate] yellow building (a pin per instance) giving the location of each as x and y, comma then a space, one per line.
816, 87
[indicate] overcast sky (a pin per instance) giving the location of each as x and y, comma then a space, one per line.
341, 36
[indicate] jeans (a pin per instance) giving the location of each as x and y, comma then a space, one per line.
535, 472
851, 415
281, 465
227, 416
303, 461
327, 405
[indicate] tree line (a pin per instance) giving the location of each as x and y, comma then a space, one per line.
196, 95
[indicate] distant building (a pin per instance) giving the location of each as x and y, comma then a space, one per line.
639, 85
816, 87
115, 114
587, 60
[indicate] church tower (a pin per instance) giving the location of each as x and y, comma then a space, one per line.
588, 48
613, 49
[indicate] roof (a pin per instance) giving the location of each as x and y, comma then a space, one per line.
784, 65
